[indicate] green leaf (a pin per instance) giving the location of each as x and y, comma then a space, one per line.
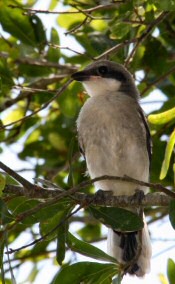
171, 271
90, 232
162, 118
54, 53
67, 21
33, 274
6, 80
14, 115
162, 278
38, 29
61, 241
2, 245
38, 249
117, 218
99, 25
69, 103
165, 5
10, 180
86, 273
168, 153
119, 30
2, 183
57, 141
53, 4
48, 224
5, 215
21, 26
37, 71
6, 280
155, 48
172, 213
87, 249
118, 279
21, 205
70, 155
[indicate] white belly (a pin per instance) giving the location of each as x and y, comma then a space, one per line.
114, 142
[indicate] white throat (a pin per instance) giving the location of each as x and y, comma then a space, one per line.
98, 86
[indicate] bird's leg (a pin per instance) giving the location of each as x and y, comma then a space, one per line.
138, 196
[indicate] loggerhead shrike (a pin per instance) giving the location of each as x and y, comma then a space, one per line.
115, 139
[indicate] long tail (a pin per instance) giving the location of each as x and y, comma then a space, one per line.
132, 250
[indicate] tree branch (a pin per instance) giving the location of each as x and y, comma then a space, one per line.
158, 80
90, 10
58, 93
115, 48
107, 199
84, 184
56, 46
35, 87
47, 234
27, 186
44, 63
74, 29
145, 34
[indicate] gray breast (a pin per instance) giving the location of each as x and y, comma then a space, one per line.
113, 137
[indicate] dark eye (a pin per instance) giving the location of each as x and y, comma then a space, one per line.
102, 70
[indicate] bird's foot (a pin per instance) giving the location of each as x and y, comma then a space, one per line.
101, 195
138, 196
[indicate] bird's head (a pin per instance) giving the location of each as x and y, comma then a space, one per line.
102, 77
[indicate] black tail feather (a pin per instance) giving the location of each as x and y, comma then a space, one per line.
129, 246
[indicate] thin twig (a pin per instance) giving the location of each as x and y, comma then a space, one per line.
31, 90
10, 267
70, 49
47, 234
138, 15
58, 93
44, 63
28, 255
64, 47
74, 29
145, 34
90, 10
135, 22
160, 217
6, 41
115, 48
26, 184
158, 80
34, 87
163, 251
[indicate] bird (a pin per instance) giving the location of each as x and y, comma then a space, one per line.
115, 140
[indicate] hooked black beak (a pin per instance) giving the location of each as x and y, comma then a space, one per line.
81, 76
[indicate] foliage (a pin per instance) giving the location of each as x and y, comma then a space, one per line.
170, 273
34, 65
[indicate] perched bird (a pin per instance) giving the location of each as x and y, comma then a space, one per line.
114, 137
